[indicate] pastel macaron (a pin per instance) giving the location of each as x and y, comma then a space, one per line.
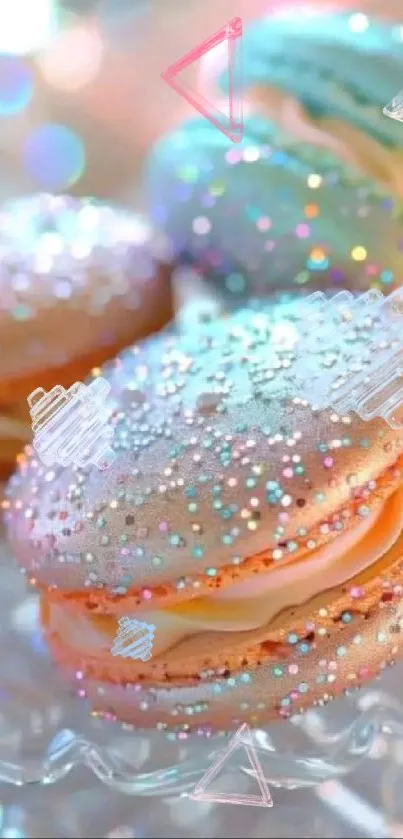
330, 77
258, 537
272, 213
79, 280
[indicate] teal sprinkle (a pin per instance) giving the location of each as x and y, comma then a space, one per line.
246, 677
21, 312
277, 671
197, 552
227, 539
193, 508
235, 283
317, 266
387, 277
292, 638
241, 427
226, 513
250, 483
217, 504
211, 572
207, 443
191, 492
174, 539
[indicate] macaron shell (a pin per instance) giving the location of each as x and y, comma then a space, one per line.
78, 280
272, 213
216, 463
334, 643
343, 65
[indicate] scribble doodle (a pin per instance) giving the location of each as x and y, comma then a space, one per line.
71, 426
134, 639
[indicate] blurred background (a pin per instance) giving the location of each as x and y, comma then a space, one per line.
81, 95
81, 101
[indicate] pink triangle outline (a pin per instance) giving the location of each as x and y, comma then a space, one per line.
232, 33
199, 792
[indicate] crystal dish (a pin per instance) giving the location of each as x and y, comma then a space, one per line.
45, 731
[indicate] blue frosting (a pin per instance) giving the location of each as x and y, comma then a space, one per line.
333, 70
257, 215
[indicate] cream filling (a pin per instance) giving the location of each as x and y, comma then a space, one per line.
254, 603
348, 143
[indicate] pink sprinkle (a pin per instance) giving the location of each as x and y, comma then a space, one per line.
328, 461
147, 594
233, 156
303, 231
356, 591
293, 669
264, 223
163, 527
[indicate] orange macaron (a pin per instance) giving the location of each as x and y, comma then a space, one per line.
258, 536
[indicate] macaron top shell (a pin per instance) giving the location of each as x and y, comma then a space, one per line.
74, 274
217, 462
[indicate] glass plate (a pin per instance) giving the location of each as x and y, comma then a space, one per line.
45, 731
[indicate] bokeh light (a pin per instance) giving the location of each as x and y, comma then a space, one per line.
16, 85
26, 25
74, 58
54, 156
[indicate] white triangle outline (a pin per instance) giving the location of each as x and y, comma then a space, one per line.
199, 792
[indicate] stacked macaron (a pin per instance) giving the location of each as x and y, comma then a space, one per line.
260, 536
78, 281
311, 196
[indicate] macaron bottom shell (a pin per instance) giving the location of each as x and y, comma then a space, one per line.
306, 656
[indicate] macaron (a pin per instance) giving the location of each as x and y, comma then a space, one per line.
329, 77
257, 536
271, 214
79, 280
